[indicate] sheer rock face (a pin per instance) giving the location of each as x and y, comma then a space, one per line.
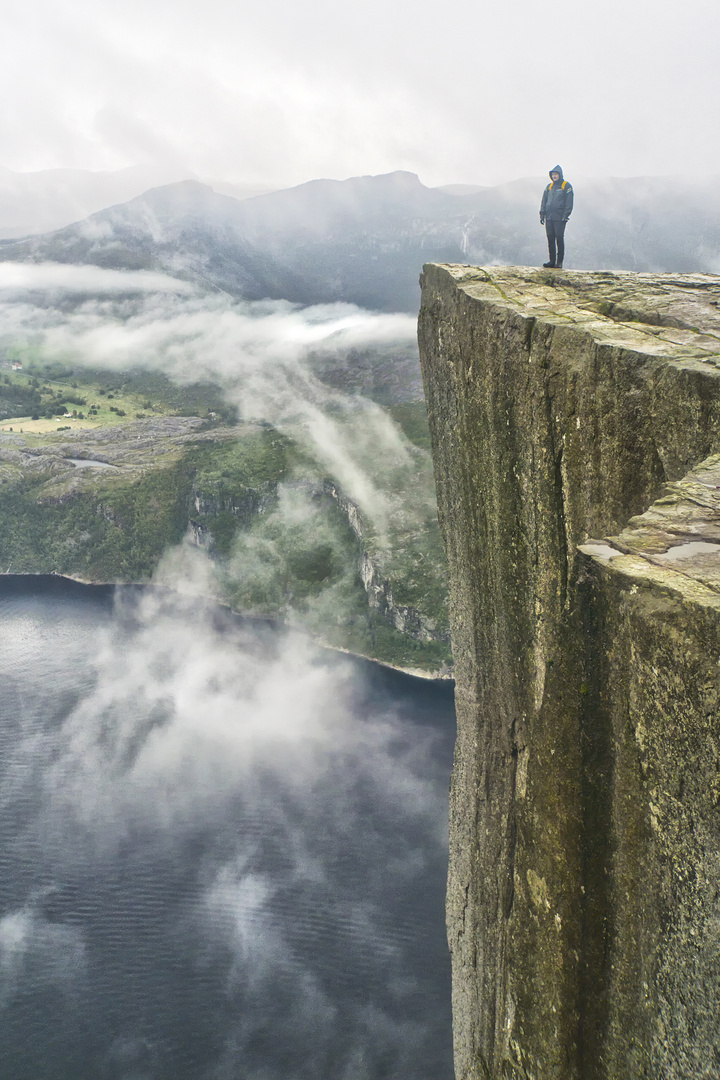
584, 886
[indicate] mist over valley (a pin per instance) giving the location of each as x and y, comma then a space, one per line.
224, 848
295, 310
227, 687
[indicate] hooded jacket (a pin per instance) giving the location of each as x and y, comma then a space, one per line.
557, 200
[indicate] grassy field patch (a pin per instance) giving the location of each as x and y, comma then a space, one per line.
27, 426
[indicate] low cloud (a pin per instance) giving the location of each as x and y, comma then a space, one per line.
64, 278
192, 704
36, 951
261, 355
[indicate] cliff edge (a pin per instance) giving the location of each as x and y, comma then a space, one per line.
575, 420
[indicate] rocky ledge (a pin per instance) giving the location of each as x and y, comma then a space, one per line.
576, 425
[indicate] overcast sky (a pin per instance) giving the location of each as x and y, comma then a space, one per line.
276, 92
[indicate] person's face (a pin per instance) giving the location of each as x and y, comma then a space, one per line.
554, 176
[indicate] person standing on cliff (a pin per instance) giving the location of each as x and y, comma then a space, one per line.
555, 209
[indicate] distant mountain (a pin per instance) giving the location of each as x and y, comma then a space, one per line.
184, 229
362, 240
460, 189
38, 202
365, 239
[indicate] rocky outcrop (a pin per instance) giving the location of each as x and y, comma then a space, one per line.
406, 619
243, 507
583, 906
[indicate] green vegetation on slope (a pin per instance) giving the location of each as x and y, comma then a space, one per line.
116, 533
50, 389
412, 418
282, 545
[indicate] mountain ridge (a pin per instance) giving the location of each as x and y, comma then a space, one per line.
364, 240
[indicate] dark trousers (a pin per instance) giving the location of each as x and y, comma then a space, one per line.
556, 236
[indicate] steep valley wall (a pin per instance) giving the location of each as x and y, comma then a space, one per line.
575, 418
103, 504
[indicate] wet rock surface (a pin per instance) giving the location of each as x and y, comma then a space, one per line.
576, 430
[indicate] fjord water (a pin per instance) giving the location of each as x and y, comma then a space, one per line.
222, 849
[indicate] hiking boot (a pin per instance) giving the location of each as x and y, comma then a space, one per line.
549, 266
558, 266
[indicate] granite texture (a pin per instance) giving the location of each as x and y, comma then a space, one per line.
574, 419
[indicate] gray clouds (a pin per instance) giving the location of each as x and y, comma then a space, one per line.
275, 94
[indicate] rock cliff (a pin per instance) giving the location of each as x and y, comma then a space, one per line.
575, 418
